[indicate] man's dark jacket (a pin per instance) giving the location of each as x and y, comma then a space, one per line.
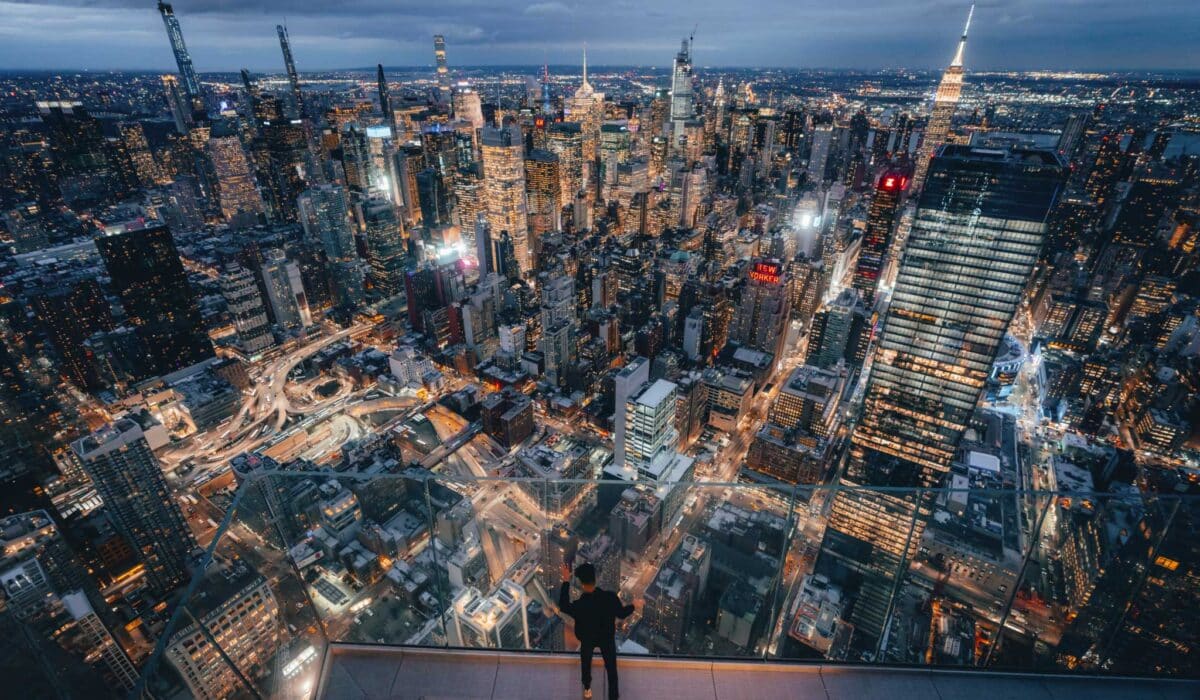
595, 613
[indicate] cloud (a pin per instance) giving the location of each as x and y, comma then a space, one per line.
229, 34
547, 8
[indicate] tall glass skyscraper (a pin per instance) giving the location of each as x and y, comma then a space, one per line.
285, 45
128, 477
975, 239
191, 85
148, 277
890, 190
443, 72
504, 183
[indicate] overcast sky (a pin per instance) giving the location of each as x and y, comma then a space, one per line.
231, 34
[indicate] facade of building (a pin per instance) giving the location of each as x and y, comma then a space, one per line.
127, 475
147, 275
504, 183
245, 304
240, 613
976, 237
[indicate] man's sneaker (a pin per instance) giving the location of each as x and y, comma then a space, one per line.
587, 693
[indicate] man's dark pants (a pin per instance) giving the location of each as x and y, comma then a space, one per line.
608, 651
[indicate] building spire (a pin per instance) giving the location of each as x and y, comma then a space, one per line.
962, 43
585, 82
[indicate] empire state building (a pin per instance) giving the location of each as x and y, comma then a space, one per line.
945, 102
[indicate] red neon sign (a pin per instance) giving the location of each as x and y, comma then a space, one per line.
769, 273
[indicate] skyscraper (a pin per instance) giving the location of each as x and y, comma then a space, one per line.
128, 477
70, 312
881, 221
443, 72
945, 102
180, 111
468, 106
683, 107
325, 217
565, 140
504, 181
356, 159
650, 435
241, 618
285, 291
191, 85
137, 154
975, 239
297, 102
761, 322
281, 158
245, 305
385, 247
236, 189
146, 274
385, 98
543, 189
631, 377
587, 108
818, 157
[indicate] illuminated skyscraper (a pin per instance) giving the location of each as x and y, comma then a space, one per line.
881, 221
245, 305
131, 482
241, 621
945, 102
191, 86
543, 190
385, 247
615, 142
683, 107
285, 291
443, 72
356, 159
587, 108
467, 106
137, 154
325, 218
818, 157
180, 111
565, 140
236, 190
504, 183
70, 311
761, 322
280, 155
285, 44
976, 237
153, 287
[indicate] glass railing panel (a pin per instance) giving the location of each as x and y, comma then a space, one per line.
244, 626
1120, 602
950, 578
971, 546
366, 554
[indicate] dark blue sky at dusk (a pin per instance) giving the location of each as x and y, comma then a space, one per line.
230, 34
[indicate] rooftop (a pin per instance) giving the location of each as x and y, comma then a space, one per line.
353, 672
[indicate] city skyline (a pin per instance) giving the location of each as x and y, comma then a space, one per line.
808, 366
1028, 35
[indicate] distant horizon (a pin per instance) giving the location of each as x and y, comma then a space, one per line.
607, 67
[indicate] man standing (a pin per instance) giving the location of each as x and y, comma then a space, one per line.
595, 613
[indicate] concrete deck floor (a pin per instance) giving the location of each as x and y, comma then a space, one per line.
354, 672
